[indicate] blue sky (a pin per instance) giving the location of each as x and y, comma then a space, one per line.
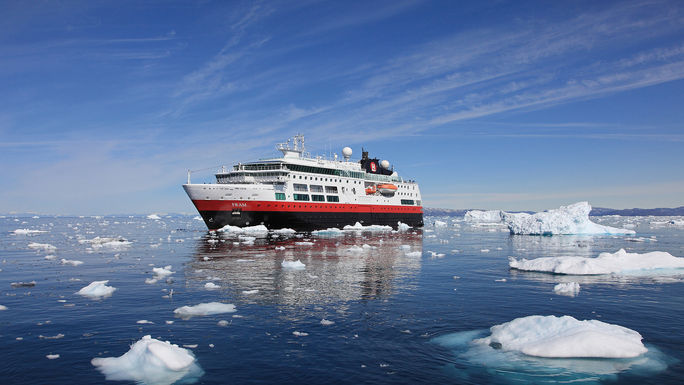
514, 105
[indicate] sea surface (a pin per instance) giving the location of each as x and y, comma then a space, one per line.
391, 304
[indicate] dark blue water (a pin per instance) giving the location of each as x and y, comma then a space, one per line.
388, 307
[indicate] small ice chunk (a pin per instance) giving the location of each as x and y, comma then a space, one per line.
440, 224
359, 227
203, 309
414, 254
565, 337
41, 246
248, 292
304, 243
23, 284
329, 232
27, 232
169, 322
58, 336
284, 231
484, 251
154, 217
326, 322
71, 262
3, 307
280, 247
403, 226
97, 290
300, 334
159, 274
151, 361
293, 265
620, 263
50, 257
570, 289
52, 356
223, 323
112, 243
144, 322
211, 286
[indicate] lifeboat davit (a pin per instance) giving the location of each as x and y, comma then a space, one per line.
387, 188
370, 190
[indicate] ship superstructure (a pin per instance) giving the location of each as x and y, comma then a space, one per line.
304, 193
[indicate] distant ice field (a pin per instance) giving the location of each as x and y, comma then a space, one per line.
430, 305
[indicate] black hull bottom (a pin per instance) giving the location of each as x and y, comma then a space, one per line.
303, 221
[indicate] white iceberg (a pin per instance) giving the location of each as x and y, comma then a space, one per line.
440, 224
52, 356
284, 231
203, 309
618, 263
97, 290
211, 286
41, 246
479, 216
403, 227
152, 362
293, 265
571, 219
565, 337
153, 216
569, 289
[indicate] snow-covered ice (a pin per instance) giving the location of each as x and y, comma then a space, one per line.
257, 231
440, 224
113, 243
153, 216
284, 231
293, 265
151, 361
203, 309
563, 337
571, 219
569, 289
619, 263
159, 274
403, 226
326, 322
97, 290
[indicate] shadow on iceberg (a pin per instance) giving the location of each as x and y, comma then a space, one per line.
496, 355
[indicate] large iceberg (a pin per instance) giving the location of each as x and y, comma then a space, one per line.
619, 263
565, 337
571, 219
478, 216
152, 362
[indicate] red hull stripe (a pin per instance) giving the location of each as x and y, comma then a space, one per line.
212, 205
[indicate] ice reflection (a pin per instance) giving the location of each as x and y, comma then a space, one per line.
344, 268
531, 246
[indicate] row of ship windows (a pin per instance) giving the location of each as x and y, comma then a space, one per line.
226, 178
305, 197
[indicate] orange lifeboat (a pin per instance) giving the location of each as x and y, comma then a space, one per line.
387, 188
370, 190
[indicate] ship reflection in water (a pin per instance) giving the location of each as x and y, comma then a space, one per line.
351, 266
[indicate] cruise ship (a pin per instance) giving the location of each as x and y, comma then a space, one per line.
306, 193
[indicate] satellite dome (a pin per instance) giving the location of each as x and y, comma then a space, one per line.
385, 164
347, 152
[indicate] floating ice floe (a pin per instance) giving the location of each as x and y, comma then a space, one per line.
144, 322
27, 232
52, 356
153, 216
569, 289
106, 243
159, 274
97, 290
211, 286
440, 224
50, 257
152, 362
41, 246
293, 265
284, 231
257, 231
326, 322
359, 227
249, 292
329, 232
549, 350
203, 309
565, 337
619, 263
71, 262
571, 219
300, 334
3, 307
23, 284
478, 216
304, 243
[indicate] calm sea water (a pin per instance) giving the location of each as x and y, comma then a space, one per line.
389, 307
